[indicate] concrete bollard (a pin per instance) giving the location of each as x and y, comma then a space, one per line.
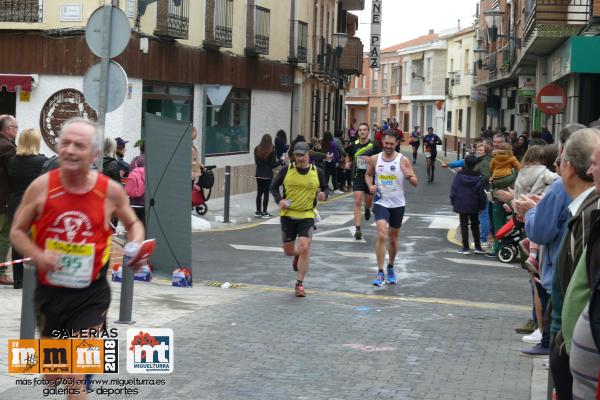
227, 193
458, 151
27, 309
126, 305
445, 146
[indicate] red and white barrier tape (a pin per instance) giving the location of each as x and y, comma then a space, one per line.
6, 264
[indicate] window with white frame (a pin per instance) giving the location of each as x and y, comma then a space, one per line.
395, 79
428, 69
374, 81
384, 80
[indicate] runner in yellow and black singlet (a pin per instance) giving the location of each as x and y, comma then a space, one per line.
357, 156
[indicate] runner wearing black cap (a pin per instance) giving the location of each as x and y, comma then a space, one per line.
303, 184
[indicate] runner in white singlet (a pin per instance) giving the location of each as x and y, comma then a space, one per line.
385, 180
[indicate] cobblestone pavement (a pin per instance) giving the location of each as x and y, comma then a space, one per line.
444, 332
333, 347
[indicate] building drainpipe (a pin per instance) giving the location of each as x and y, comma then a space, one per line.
292, 54
292, 113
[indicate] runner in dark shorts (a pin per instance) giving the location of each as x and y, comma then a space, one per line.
60, 308
430, 143
303, 184
356, 158
415, 142
291, 228
359, 185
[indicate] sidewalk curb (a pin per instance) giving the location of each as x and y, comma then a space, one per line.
238, 227
452, 236
539, 379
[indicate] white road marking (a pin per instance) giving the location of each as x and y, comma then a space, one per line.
444, 222
430, 216
256, 248
336, 219
271, 221
323, 233
482, 262
336, 239
441, 221
355, 254
323, 236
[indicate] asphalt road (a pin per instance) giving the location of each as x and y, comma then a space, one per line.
427, 263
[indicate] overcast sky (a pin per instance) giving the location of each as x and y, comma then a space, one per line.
404, 20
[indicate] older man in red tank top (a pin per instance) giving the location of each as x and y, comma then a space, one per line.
68, 211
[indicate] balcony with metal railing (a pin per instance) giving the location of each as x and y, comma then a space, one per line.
417, 81
554, 18
455, 77
223, 22
302, 42
262, 17
492, 66
21, 10
299, 40
358, 92
172, 20
351, 60
325, 57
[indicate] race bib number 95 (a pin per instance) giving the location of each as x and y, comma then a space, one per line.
76, 261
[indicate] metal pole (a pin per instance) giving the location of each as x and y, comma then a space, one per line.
103, 96
227, 193
458, 150
445, 146
126, 296
27, 313
202, 130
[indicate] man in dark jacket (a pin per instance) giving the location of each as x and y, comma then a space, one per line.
468, 199
123, 165
547, 136
8, 149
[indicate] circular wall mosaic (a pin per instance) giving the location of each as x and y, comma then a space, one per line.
61, 106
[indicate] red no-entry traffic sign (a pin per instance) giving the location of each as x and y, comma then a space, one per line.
552, 99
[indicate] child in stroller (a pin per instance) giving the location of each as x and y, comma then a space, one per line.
509, 236
206, 180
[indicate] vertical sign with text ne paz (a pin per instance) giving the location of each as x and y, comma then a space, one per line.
375, 44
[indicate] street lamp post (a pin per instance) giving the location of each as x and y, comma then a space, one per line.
339, 42
493, 18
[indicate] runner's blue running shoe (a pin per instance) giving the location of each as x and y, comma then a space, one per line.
379, 280
391, 276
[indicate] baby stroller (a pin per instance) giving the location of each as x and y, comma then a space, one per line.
509, 236
199, 196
